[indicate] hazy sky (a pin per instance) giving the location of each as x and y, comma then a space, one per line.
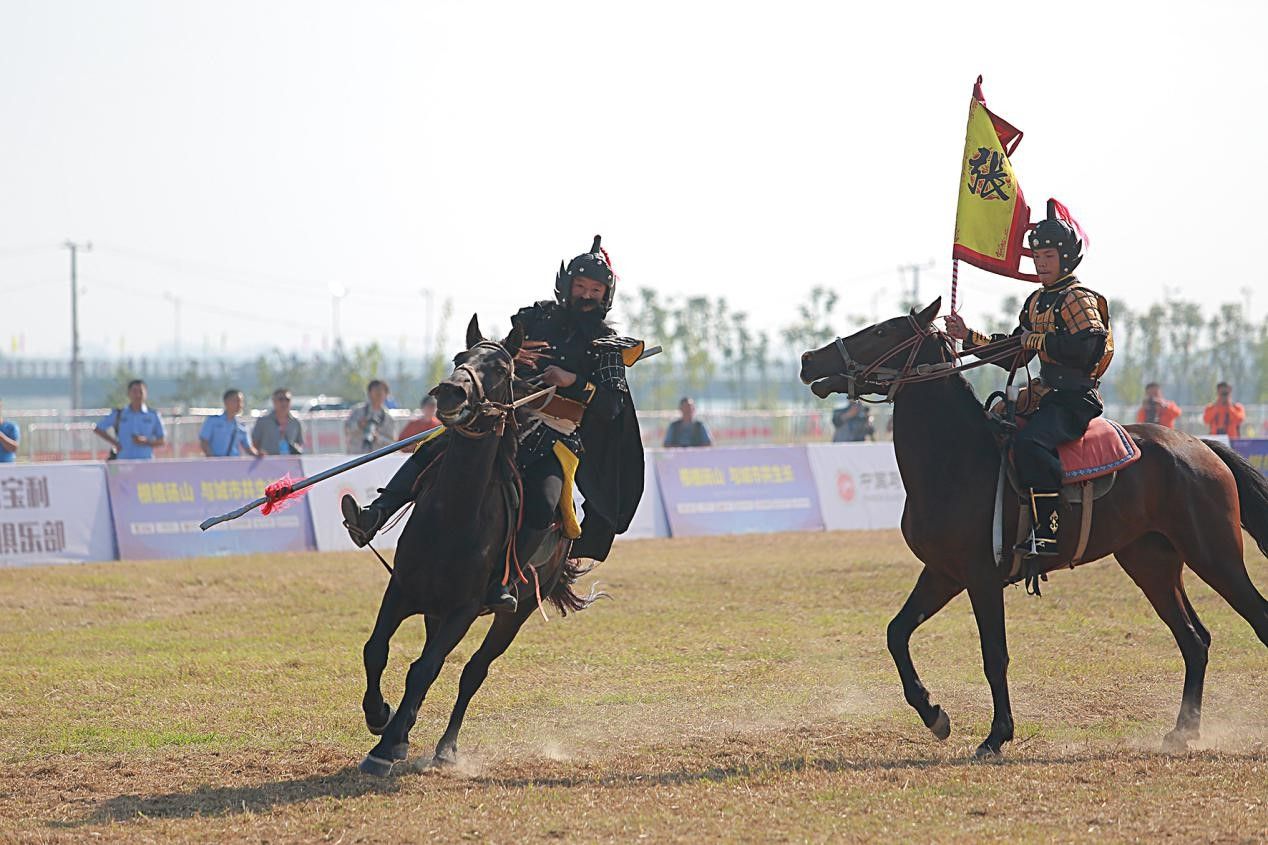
246, 156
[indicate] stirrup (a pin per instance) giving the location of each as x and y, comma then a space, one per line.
1032, 546
500, 599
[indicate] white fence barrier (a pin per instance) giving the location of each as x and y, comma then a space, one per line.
54, 513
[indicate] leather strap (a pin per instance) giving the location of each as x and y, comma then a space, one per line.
1085, 524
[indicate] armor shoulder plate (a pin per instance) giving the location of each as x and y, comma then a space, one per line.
1082, 309
629, 347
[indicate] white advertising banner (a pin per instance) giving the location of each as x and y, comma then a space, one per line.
859, 486
363, 483
54, 513
649, 520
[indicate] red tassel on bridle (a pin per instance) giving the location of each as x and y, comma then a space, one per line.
280, 495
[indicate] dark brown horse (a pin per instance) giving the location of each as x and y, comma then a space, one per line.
1182, 502
456, 539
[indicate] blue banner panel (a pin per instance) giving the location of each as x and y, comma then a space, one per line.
738, 490
158, 505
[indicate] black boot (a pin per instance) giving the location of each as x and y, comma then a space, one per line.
1044, 511
364, 523
500, 599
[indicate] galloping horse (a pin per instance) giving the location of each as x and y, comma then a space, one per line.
460, 533
1182, 502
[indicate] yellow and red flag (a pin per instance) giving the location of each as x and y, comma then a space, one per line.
991, 216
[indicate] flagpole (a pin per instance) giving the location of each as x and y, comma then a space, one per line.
955, 281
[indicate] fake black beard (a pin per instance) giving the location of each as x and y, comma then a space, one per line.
589, 322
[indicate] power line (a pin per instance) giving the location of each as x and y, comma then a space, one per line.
215, 309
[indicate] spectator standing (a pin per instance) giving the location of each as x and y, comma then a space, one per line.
425, 420
1224, 416
687, 431
9, 436
851, 423
370, 426
1156, 408
224, 435
134, 431
279, 432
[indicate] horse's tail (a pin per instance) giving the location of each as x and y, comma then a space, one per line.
1252, 490
561, 593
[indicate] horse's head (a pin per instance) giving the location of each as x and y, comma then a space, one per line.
861, 363
479, 388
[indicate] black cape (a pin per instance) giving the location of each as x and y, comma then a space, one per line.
610, 479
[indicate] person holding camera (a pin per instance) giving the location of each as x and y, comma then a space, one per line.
1157, 409
370, 426
135, 430
852, 423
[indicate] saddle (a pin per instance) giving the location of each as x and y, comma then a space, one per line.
1089, 465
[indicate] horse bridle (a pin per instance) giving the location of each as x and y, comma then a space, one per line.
858, 375
481, 406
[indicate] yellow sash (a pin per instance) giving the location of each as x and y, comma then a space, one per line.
567, 510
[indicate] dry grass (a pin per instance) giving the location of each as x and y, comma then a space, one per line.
735, 688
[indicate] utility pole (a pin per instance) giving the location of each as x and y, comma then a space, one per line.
176, 335
915, 269
337, 293
76, 365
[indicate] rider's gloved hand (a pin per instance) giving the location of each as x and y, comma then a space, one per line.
956, 326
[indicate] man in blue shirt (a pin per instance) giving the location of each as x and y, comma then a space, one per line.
224, 435
133, 432
9, 435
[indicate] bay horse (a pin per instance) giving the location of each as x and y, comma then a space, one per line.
1181, 503
460, 532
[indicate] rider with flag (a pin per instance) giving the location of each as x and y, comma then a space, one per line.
585, 434
1068, 326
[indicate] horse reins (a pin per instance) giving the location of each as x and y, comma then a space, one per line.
858, 374
486, 407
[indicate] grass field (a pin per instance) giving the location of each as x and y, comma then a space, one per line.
735, 688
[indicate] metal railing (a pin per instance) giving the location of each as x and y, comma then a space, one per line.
51, 436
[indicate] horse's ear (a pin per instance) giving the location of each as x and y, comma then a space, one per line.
926, 316
514, 340
473, 331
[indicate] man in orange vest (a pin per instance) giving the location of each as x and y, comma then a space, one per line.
1156, 408
1224, 416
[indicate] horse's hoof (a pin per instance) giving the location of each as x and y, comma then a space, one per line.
941, 726
376, 766
446, 757
378, 731
986, 752
1175, 742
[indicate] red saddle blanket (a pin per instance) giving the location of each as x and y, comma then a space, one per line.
1105, 448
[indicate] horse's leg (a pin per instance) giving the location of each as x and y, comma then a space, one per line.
442, 637
932, 592
987, 596
501, 633
1215, 553
1155, 565
392, 612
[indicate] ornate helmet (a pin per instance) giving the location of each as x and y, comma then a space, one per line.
1061, 232
595, 265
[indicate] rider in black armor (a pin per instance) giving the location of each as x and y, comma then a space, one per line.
568, 346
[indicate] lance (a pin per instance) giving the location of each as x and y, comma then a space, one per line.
279, 491
284, 489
